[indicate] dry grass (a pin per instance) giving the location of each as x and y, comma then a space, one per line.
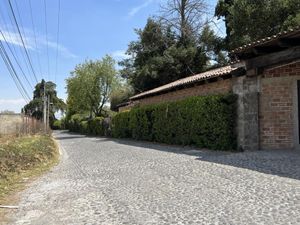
22, 159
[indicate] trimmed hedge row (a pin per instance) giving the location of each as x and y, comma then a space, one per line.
95, 126
205, 121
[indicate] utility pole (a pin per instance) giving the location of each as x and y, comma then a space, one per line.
48, 114
45, 110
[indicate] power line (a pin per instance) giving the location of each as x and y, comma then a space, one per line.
45, 11
57, 40
34, 33
23, 43
16, 60
11, 38
13, 73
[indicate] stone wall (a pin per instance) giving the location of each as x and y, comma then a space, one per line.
278, 109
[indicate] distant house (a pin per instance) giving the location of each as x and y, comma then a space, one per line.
266, 77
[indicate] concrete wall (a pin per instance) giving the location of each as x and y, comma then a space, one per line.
10, 123
247, 112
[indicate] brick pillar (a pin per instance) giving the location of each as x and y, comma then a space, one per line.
247, 120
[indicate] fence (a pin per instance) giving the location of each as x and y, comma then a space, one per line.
19, 124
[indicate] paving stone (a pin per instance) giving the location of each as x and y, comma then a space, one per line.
110, 181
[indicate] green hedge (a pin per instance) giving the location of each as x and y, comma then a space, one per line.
206, 121
81, 124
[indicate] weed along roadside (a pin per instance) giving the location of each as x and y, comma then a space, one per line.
21, 159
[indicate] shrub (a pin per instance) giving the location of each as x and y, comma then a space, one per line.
56, 125
96, 126
206, 121
74, 123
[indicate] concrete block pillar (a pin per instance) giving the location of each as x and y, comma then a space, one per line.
247, 89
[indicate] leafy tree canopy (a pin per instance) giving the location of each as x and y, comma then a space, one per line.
160, 56
90, 86
249, 20
35, 106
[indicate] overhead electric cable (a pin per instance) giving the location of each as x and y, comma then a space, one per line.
23, 43
13, 73
57, 39
34, 33
45, 12
16, 60
13, 43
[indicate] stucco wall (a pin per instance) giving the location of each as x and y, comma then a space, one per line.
10, 124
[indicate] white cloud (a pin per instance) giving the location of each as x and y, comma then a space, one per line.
120, 54
138, 8
41, 42
12, 104
12, 101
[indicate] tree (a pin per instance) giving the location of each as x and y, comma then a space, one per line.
185, 17
120, 95
35, 106
90, 85
249, 20
158, 57
214, 47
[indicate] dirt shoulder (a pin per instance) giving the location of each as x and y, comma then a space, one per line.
22, 159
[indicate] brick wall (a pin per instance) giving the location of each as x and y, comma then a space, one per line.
218, 87
277, 106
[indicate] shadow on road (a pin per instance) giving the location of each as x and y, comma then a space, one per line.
280, 163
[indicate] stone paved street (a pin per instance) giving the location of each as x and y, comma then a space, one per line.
108, 181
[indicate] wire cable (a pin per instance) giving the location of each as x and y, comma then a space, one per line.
23, 43
57, 39
45, 12
13, 44
13, 73
16, 60
34, 33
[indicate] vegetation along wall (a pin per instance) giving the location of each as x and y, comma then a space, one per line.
203, 121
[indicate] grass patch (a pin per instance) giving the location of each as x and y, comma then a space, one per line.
22, 158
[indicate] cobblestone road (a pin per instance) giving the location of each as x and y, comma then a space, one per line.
107, 181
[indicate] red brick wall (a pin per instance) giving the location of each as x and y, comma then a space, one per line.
276, 106
219, 87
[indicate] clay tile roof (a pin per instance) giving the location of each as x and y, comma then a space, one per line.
188, 80
271, 41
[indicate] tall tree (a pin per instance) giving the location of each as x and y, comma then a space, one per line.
158, 57
35, 106
185, 17
249, 20
90, 85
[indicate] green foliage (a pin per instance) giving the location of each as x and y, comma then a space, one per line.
249, 20
90, 86
96, 126
35, 106
207, 121
57, 125
160, 56
120, 95
81, 124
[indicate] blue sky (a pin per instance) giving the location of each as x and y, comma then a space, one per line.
89, 29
